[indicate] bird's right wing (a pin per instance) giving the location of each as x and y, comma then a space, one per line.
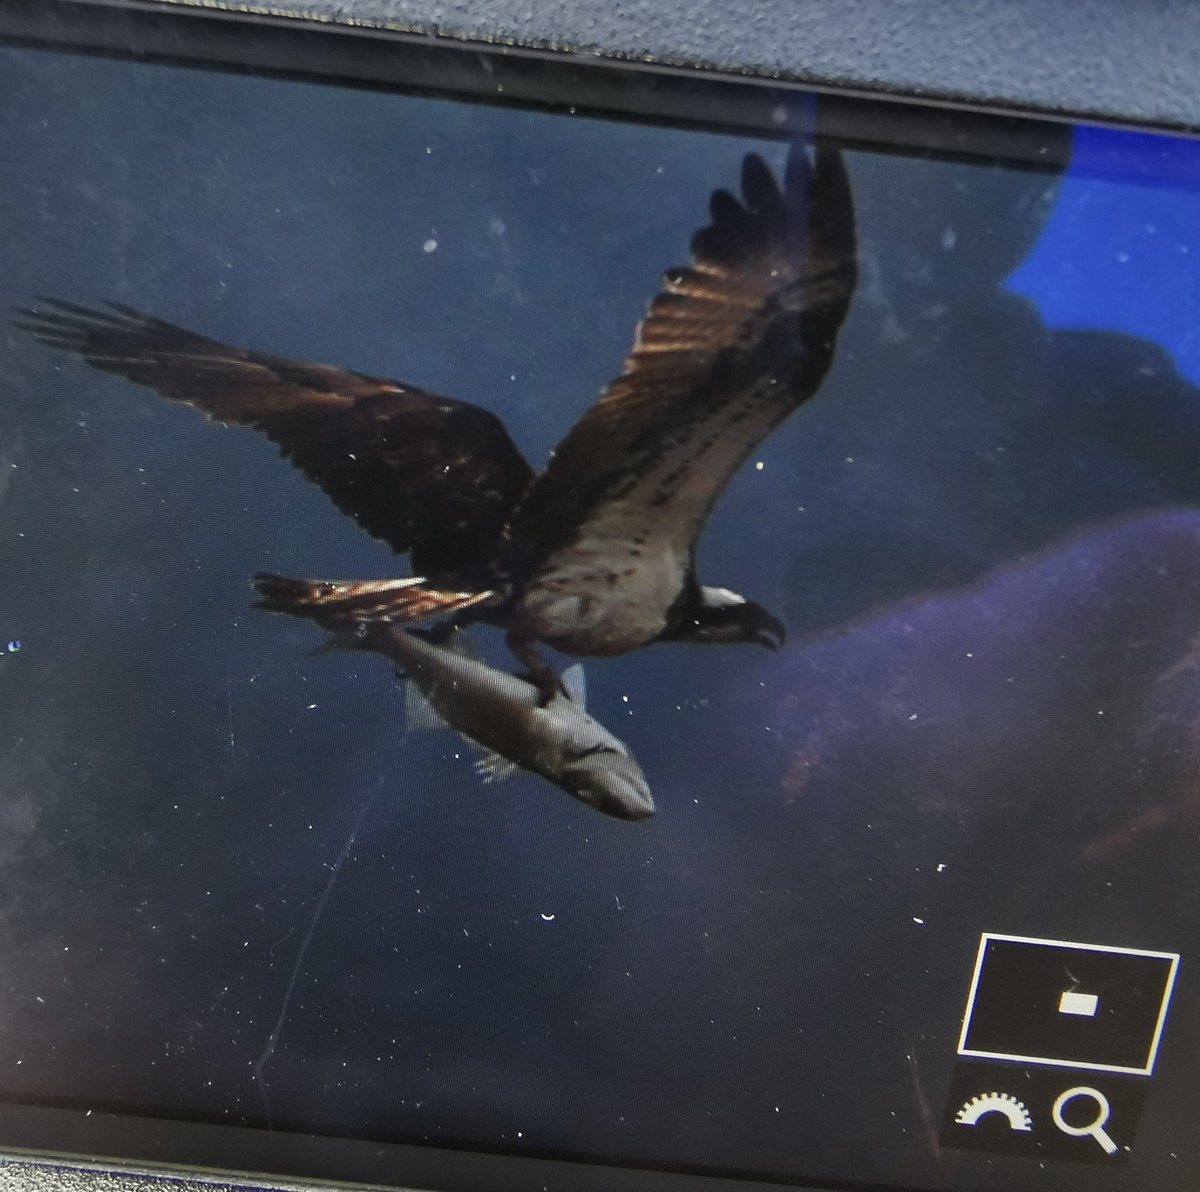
427, 474
730, 347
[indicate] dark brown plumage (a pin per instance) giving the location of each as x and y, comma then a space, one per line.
595, 553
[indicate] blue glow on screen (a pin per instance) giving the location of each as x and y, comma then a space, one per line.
1121, 249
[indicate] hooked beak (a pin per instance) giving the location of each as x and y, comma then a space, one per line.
770, 632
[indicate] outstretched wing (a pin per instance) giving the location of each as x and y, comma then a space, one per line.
424, 473
730, 347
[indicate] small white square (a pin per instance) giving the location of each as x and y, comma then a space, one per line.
1082, 1004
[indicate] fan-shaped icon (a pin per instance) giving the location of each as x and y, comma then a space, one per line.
1019, 1117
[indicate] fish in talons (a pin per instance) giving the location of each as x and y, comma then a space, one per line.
450, 686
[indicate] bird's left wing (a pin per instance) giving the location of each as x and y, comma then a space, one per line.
730, 347
425, 473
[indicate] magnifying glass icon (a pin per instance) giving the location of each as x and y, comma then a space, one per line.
1095, 1128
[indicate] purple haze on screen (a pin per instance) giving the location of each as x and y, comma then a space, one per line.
1068, 685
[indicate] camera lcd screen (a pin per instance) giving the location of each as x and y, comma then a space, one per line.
840, 826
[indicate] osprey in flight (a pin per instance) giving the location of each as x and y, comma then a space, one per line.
594, 555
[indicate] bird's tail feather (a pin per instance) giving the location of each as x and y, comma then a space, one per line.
335, 603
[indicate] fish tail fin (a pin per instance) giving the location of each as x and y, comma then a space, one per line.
335, 603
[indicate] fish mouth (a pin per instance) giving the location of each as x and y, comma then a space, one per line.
611, 783
634, 804
623, 800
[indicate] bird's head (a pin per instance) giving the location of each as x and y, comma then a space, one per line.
719, 615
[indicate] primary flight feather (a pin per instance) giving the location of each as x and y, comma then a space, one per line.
595, 554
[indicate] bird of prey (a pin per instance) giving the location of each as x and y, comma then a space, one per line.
594, 555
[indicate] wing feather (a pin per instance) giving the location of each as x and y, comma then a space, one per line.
424, 473
732, 344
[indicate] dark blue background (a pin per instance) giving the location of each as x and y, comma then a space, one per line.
982, 534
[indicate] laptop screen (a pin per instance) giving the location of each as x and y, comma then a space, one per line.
794, 780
